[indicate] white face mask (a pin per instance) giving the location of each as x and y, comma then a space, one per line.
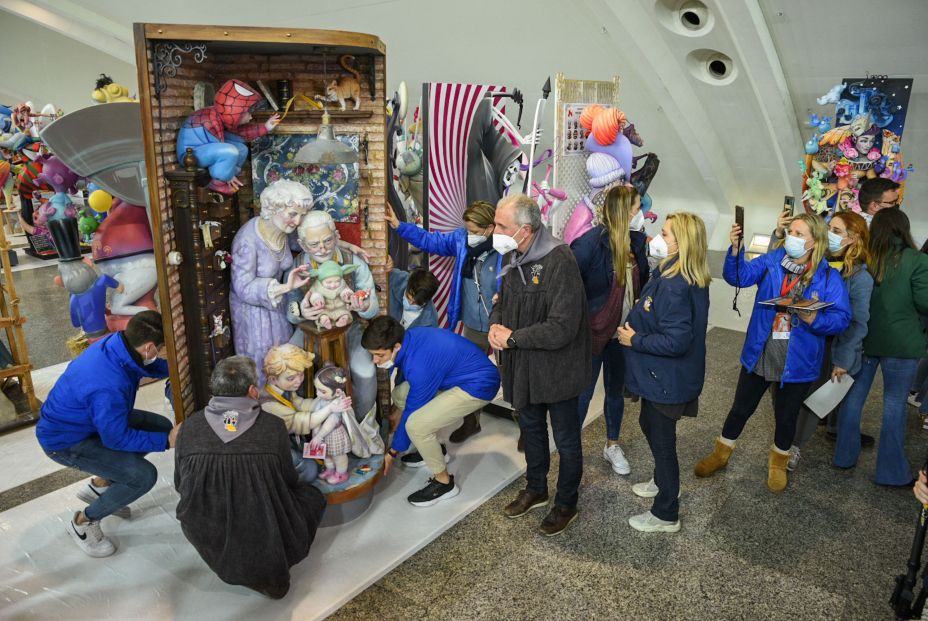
657, 247
795, 247
475, 240
637, 221
385, 365
835, 242
504, 244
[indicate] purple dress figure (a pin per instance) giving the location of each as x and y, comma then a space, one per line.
260, 256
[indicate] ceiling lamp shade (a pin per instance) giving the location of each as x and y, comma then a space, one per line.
326, 149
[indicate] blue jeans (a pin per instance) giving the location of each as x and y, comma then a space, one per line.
661, 433
307, 470
130, 474
612, 359
892, 466
566, 425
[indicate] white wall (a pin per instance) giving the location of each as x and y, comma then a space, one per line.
43, 66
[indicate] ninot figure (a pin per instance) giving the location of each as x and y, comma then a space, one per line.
330, 293
218, 134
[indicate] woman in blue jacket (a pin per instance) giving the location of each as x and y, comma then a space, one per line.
613, 262
781, 346
848, 239
476, 270
665, 341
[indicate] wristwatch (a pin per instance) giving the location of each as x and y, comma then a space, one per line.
511, 342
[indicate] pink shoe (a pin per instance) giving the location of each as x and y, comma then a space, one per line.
338, 477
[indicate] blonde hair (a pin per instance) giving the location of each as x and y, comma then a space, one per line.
859, 251
820, 236
692, 261
480, 213
616, 213
287, 357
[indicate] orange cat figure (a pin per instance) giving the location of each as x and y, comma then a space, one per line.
347, 87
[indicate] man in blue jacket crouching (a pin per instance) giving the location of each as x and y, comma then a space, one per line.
89, 423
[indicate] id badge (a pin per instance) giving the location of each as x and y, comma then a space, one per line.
781, 326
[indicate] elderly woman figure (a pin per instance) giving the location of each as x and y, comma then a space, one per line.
260, 256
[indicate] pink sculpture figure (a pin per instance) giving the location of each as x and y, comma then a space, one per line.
218, 134
609, 163
332, 430
330, 292
123, 249
61, 179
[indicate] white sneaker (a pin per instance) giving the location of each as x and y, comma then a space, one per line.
645, 490
616, 458
913, 400
90, 538
90, 492
647, 523
794, 457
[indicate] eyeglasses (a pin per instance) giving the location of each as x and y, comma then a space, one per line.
894, 203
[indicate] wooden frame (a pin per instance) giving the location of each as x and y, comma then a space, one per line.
225, 45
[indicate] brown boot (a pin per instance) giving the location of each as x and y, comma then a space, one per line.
525, 502
716, 461
557, 520
776, 470
470, 427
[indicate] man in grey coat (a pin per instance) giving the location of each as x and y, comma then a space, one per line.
540, 325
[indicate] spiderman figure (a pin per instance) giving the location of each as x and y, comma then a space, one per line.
218, 134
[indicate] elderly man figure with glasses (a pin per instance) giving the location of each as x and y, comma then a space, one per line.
320, 243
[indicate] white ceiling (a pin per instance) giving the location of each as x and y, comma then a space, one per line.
719, 144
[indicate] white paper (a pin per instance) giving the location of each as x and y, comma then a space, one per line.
827, 398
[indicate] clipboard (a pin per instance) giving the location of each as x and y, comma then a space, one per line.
797, 305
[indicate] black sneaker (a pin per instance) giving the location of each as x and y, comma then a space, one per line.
415, 460
434, 492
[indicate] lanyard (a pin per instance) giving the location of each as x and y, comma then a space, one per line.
784, 289
478, 267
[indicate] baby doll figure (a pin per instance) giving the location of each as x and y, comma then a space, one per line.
284, 367
331, 293
331, 429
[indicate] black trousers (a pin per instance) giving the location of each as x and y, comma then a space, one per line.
661, 433
750, 390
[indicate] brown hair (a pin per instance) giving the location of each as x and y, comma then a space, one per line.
480, 213
888, 228
859, 251
616, 213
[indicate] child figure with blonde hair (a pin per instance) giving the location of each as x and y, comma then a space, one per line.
285, 367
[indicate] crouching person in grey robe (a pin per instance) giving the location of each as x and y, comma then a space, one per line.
241, 504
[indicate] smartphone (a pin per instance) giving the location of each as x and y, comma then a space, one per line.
789, 205
739, 218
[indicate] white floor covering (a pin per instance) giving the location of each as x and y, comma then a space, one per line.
156, 574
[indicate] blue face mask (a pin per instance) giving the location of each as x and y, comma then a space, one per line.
409, 307
795, 247
835, 243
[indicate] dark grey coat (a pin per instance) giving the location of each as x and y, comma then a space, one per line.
241, 505
551, 327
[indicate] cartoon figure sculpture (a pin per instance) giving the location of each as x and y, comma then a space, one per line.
329, 293
218, 134
260, 257
335, 429
319, 241
284, 369
108, 91
123, 249
609, 163
63, 181
86, 286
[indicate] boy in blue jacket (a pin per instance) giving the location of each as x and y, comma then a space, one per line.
89, 423
447, 378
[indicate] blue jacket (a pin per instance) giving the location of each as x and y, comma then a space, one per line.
94, 396
594, 258
454, 244
847, 348
667, 360
432, 359
428, 318
807, 342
